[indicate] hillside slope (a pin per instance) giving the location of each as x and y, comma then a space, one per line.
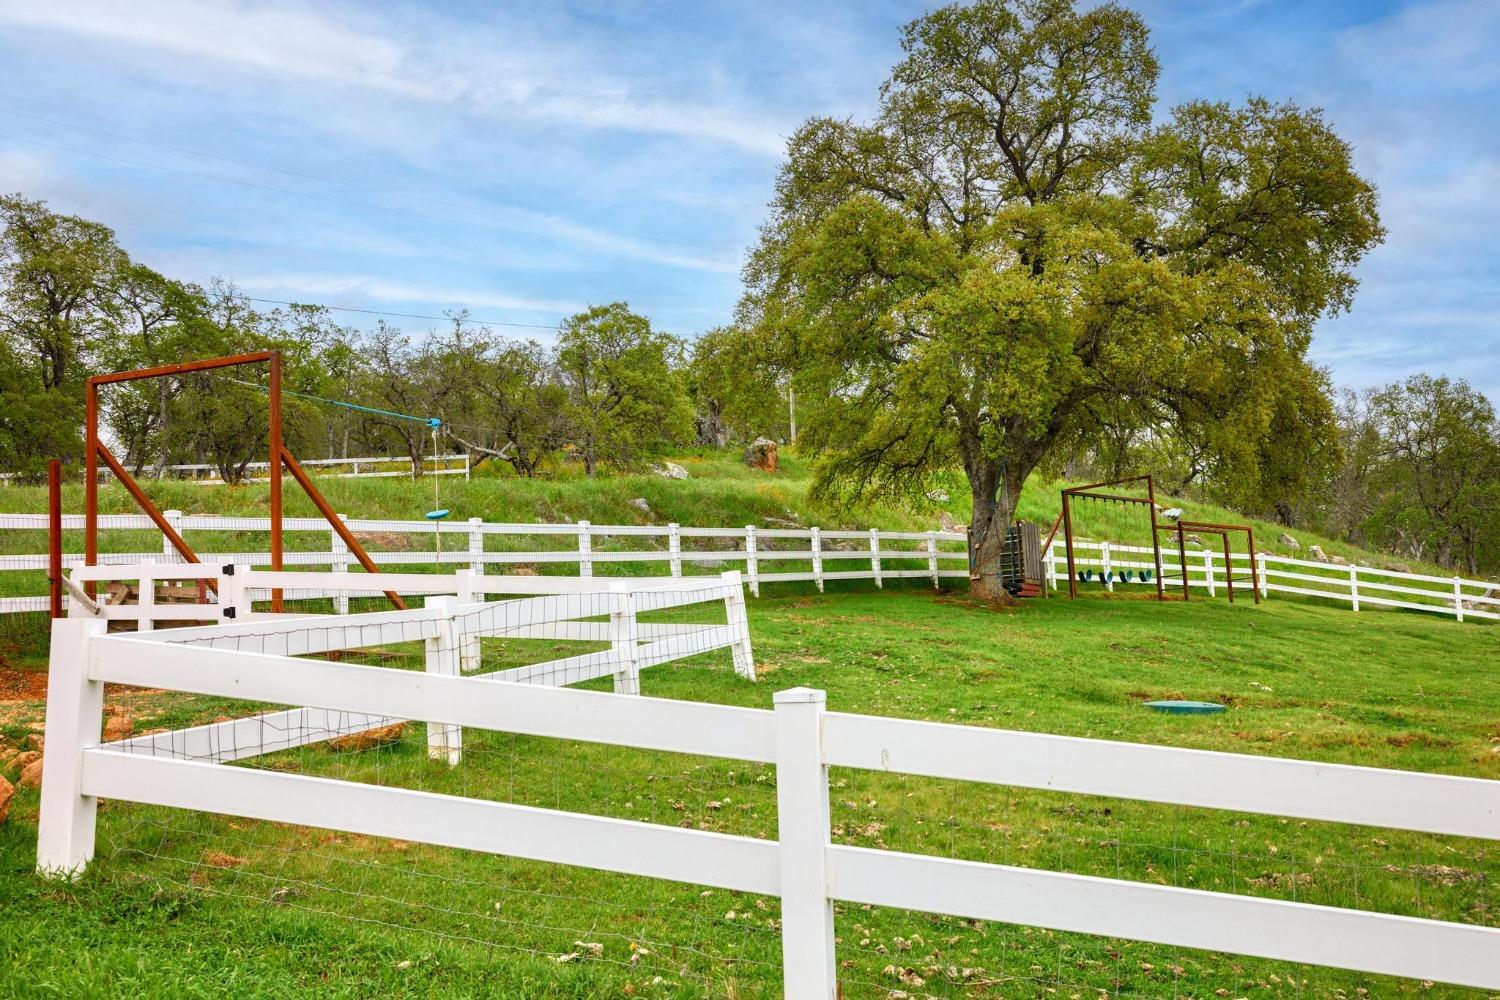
721, 493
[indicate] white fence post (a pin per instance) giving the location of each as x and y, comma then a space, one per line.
674, 547
1105, 567
146, 599
1260, 566
1458, 599
875, 557
932, 563
816, 538
1052, 567
807, 949
476, 539
174, 518
585, 550
466, 467
1208, 572
338, 558
75, 714
752, 564
470, 657
1354, 586
444, 739
625, 644
739, 622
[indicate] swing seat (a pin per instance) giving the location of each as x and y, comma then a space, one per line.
1086, 575
436, 515
1146, 575
1127, 576
1108, 576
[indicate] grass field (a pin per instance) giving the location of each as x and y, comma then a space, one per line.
193, 905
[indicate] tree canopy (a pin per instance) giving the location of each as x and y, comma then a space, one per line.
1015, 257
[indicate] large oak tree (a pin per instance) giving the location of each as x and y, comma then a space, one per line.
1016, 254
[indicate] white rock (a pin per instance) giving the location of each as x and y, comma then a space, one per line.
670, 470
1288, 541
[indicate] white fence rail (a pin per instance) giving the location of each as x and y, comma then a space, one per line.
803, 867
685, 552
366, 467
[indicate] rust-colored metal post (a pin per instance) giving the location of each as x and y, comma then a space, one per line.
1182, 558
1254, 571
1067, 517
90, 480
1161, 588
274, 392
54, 538
1228, 568
355, 548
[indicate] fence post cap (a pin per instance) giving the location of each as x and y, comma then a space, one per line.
476, 520
799, 696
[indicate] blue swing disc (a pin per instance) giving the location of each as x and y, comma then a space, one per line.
436, 515
1186, 707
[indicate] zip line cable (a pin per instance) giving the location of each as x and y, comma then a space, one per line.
433, 422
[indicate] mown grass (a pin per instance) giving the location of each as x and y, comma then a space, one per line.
196, 905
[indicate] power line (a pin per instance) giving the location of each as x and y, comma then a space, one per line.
381, 312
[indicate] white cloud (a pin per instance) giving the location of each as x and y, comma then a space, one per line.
363, 289
1449, 43
466, 68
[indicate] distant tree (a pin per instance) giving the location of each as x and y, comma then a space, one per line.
737, 391
1015, 248
415, 379
1440, 476
625, 394
520, 403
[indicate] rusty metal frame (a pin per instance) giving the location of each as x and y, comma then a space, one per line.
1223, 531
279, 455
1091, 492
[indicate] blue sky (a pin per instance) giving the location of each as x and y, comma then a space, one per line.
525, 160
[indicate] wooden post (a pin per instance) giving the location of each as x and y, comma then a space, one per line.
1067, 516
808, 957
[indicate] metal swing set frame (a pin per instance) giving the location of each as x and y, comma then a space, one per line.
280, 458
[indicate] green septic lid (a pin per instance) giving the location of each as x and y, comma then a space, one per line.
437, 515
1186, 707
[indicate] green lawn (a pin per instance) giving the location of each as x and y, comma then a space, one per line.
193, 905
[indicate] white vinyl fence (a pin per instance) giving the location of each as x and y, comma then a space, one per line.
802, 739
367, 467
816, 555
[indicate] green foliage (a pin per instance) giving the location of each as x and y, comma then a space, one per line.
625, 393
1011, 264
737, 388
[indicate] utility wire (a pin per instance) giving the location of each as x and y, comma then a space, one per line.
380, 312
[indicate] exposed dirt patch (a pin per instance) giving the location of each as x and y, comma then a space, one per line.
22, 685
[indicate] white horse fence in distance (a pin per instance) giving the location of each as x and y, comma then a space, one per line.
766, 555
366, 467
808, 872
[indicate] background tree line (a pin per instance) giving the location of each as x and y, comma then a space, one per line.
610, 391
1412, 468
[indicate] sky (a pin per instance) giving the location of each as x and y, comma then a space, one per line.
525, 160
